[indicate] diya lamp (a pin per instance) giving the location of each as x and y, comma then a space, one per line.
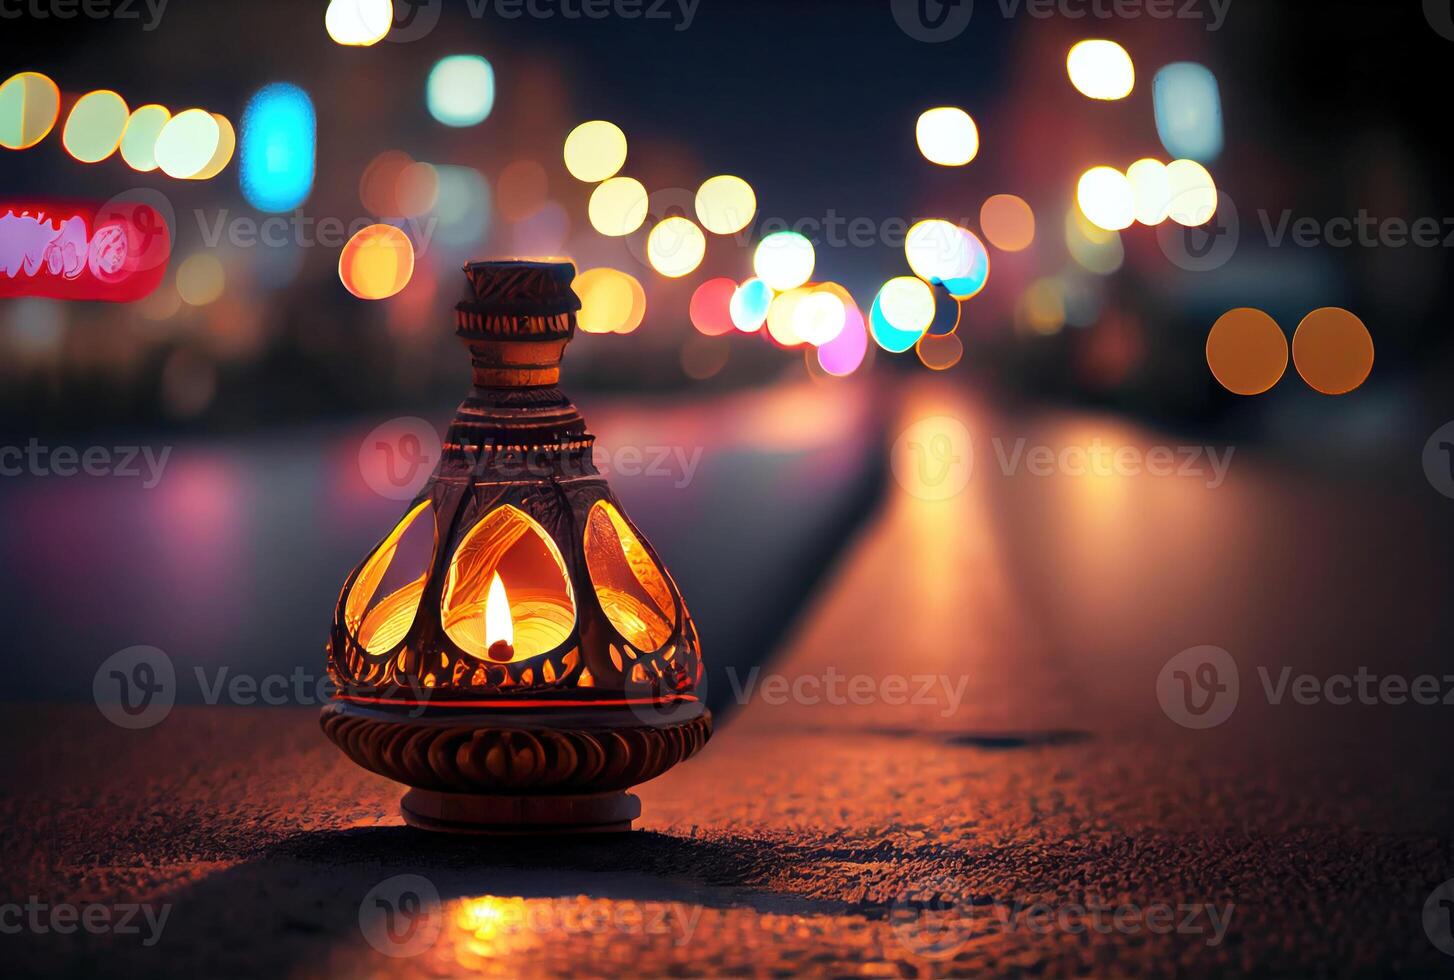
541, 661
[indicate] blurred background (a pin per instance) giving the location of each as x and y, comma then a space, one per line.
264, 373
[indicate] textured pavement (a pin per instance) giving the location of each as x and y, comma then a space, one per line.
1034, 813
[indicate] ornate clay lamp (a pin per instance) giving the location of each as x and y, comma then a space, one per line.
539, 661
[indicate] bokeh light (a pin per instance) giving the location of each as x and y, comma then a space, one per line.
1188, 105
1041, 309
784, 260
1150, 191
595, 150
200, 279
938, 251
187, 143
819, 317
463, 207
1193, 193
139, 141
279, 148
222, 154
907, 305
95, 126
711, 307
612, 301
947, 136
1094, 249
780, 326
726, 204
417, 190
1101, 70
1008, 222
523, 187
1105, 197
845, 353
973, 282
939, 352
461, 90
377, 262
618, 206
1333, 351
751, 302
1247, 351
30, 104
358, 23
377, 187
676, 247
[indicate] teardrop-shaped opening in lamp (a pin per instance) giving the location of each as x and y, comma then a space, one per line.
630, 587
509, 548
397, 571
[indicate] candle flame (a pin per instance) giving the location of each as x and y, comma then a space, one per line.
499, 624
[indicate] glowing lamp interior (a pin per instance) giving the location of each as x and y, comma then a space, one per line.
404, 555
508, 583
629, 586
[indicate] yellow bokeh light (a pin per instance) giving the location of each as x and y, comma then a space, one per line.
30, 104
1008, 222
200, 279
94, 128
948, 136
1192, 193
595, 150
1106, 198
618, 206
676, 247
139, 142
938, 251
1101, 70
819, 317
222, 155
359, 23
1151, 191
907, 303
611, 301
187, 143
1041, 309
726, 204
1094, 249
784, 260
377, 262
780, 316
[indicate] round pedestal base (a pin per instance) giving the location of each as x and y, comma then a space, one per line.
471, 813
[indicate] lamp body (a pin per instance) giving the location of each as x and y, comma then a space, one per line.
538, 721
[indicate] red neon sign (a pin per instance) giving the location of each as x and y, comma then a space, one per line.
117, 253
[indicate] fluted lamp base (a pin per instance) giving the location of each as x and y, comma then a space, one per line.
518, 773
